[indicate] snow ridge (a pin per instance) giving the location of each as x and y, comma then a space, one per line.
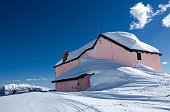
20, 88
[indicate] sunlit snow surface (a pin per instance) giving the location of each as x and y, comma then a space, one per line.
113, 89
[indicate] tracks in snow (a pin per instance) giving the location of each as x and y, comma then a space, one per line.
42, 102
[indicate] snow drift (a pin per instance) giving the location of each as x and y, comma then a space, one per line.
108, 74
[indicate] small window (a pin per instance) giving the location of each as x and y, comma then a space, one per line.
139, 57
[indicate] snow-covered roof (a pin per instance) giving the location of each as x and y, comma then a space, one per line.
78, 52
130, 41
125, 39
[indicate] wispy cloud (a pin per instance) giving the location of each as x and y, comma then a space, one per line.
162, 9
12, 81
166, 21
144, 14
31, 79
37, 79
164, 63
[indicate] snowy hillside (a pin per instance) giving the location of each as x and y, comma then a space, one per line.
20, 88
114, 88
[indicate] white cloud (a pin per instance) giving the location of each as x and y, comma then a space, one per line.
31, 79
163, 8
13, 81
37, 79
164, 63
166, 21
144, 14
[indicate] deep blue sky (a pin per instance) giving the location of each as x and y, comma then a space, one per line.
34, 33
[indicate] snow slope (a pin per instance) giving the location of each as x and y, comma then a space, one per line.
20, 88
90, 65
116, 88
107, 74
42, 102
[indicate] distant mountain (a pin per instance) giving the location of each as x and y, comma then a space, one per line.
20, 88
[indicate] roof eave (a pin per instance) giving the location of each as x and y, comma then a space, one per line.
74, 78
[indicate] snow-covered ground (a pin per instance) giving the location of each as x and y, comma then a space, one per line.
114, 88
145, 90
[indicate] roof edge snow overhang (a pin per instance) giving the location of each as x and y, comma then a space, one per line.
73, 78
105, 37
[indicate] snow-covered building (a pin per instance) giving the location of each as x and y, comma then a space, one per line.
122, 47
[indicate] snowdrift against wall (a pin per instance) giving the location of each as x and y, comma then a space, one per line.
108, 74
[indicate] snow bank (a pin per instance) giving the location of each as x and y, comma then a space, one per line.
117, 76
145, 68
20, 88
90, 65
108, 74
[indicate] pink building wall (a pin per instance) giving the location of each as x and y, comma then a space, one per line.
65, 67
73, 85
66, 86
106, 49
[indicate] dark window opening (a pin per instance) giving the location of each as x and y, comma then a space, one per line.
78, 83
139, 57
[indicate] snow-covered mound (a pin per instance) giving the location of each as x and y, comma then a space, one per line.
20, 88
126, 39
90, 65
108, 74
144, 68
